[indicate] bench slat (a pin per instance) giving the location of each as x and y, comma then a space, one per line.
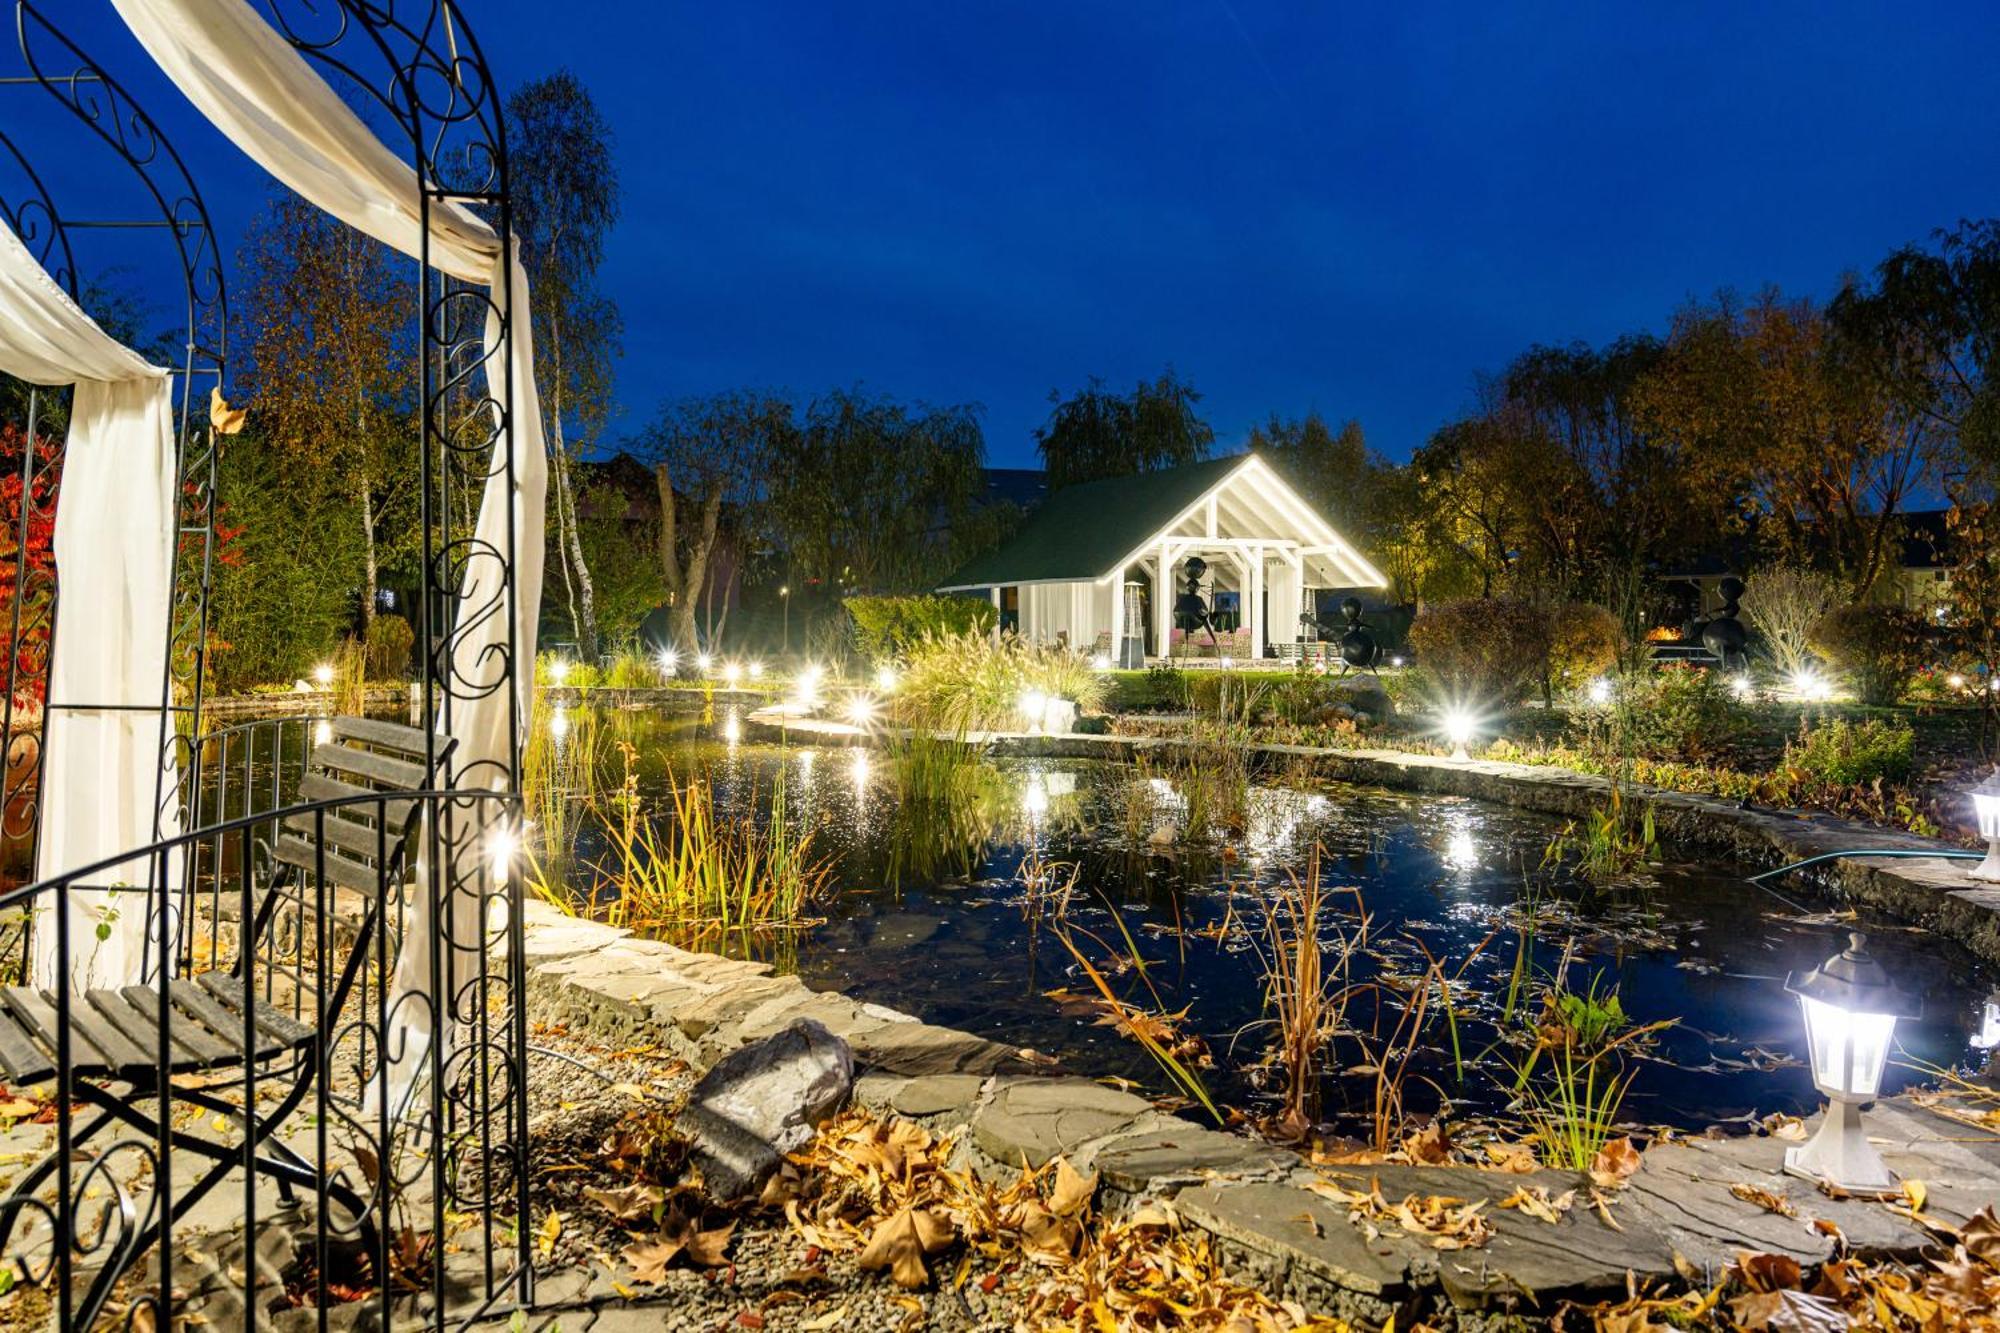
269, 1019
37, 1013
348, 834
389, 735
192, 1001
393, 773
321, 787
340, 870
24, 1061
208, 1051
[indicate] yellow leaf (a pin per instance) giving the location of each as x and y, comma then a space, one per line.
222, 418
1072, 1190
900, 1244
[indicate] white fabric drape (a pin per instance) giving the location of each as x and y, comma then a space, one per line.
114, 547
249, 82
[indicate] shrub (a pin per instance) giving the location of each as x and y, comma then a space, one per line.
1878, 647
389, 641
1782, 605
887, 627
1678, 712
632, 668
1849, 753
1486, 650
1584, 640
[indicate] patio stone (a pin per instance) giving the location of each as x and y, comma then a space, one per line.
1181, 1153
937, 1094
1037, 1119
1296, 1228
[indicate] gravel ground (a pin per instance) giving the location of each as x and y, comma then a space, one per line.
773, 1279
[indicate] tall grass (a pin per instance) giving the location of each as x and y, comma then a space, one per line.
1306, 986
1608, 843
561, 775
962, 683
707, 873
631, 667
948, 806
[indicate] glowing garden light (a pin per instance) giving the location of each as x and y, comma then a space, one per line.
860, 710
1741, 687
558, 671
756, 670
732, 674
1033, 707
1850, 1012
1459, 728
1101, 662
1956, 681
885, 679
669, 662
703, 662
1986, 810
1396, 661
323, 673
1600, 691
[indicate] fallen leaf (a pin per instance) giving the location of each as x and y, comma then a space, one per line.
900, 1244
629, 1204
1515, 1158
1768, 1272
1614, 1162
1072, 1190
1981, 1236
821, 1323
1788, 1312
1763, 1198
1534, 1200
1429, 1146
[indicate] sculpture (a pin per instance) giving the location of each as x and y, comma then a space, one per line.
1190, 607
1723, 634
1358, 649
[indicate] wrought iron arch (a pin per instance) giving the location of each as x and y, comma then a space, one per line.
416, 65
53, 64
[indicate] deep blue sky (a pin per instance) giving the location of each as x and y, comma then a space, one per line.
1298, 205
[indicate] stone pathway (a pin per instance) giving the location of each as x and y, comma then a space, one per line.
1677, 1214
1924, 889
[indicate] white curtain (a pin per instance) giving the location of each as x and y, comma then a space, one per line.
114, 544
247, 79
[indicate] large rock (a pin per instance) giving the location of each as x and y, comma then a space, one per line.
1362, 698
762, 1101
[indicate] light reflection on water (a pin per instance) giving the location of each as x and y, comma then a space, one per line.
1697, 943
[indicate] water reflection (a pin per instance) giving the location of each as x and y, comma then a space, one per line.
936, 915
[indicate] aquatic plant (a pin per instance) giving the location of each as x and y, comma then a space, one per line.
632, 668
1608, 843
1573, 1081
1306, 967
707, 873
561, 776
1157, 1031
948, 801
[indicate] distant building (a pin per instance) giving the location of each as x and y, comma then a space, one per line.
1919, 579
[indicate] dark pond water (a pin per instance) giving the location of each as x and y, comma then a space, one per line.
1451, 878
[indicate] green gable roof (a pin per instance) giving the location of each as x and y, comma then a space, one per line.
1081, 531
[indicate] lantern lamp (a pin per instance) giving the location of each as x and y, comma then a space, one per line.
1850, 1011
1986, 809
1459, 726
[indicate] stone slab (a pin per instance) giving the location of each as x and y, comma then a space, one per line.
1037, 1119
1298, 1228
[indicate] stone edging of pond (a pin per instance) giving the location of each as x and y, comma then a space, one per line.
1007, 1106
1926, 890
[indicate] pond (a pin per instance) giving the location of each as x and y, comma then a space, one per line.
956, 925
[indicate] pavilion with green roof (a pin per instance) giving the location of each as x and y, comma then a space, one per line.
1088, 568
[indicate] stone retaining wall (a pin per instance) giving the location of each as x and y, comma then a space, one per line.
1009, 1106
1931, 891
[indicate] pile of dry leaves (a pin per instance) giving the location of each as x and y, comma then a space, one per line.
886, 1189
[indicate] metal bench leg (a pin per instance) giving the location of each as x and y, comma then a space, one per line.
17, 1198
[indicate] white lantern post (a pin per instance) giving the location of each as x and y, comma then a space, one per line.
1850, 1011
1986, 809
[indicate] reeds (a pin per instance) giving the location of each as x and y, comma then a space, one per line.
947, 807
968, 682
1609, 843
560, 780
1178, 1056
707, 873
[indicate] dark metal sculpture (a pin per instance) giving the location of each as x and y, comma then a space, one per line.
1358, 649
1191, 608
1723, 634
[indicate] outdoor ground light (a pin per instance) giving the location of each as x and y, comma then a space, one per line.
558, 670
1033, 707
1459, 729
1396, 661
731, 674
1851, 1012
1742, 687
1101, 662
323, 673
885, 679
704, 662
1600, 691
668, 661
1956, 681
1986, 809
860, 710
756, 670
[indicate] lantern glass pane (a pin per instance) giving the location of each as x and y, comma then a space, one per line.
1848, 1050
1987, 810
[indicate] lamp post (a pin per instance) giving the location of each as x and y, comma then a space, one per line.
1986, 808
1850, 1011
785, 600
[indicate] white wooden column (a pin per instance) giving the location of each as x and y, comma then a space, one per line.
1117, 618
1288, 599
997, 609
1163, 603
1256, 616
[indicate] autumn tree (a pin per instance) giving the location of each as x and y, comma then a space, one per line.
709, 455
1760, 404
333, 371
1095, 433
565, 197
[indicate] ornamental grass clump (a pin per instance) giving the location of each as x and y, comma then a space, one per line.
962, 683
1573, 1082
1852, 753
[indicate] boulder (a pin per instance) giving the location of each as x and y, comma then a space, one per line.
762, 1101
1362, 698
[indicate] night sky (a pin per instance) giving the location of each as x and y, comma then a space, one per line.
1299, 206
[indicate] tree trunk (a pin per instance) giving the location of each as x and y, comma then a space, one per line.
371, 570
